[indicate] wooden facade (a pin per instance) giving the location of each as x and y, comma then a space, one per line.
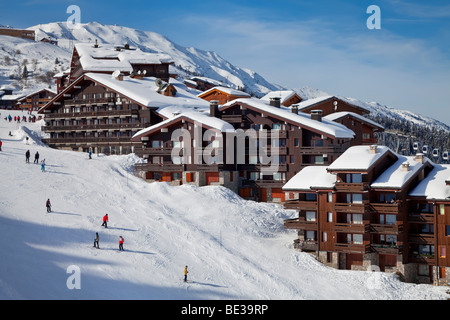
359, 223
25, 34
36, 100
332, 104
222, 95
89, 115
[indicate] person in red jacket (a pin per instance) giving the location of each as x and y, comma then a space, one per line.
105, 221
121, 243
1, 145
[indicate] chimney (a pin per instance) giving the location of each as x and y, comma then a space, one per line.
405, 166
275, 102
126, 46
420, 157
294, 108
120, 77
316, 115
373, 149
214, 109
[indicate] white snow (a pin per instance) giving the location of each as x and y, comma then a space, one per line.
311, 177
358, 158
434, 186
235, 249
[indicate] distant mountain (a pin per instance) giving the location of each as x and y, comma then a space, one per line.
189, 61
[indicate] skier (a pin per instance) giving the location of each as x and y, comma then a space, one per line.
185, 273
43, 166
105, 221
27, 156
121, 243
1, 145
48, 205
97, 238
90, 153
36, 157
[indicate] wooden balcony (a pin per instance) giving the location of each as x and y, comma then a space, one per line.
421, 217
300, 205
351, 228
386, 248
422, 258
87, 102
307, 245
386, 228
232, 118
329, 150
351, 207
95, 127
85, 141
351, 248
90, 114
351, 187
422, 238
148, 152
387, 208
300, 224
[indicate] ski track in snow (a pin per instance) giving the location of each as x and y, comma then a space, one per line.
235, 249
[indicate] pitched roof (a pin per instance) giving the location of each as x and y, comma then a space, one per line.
326, 127
434, 186
230, 91
339, 115
105, 58
310, 178
359, 158
284, 95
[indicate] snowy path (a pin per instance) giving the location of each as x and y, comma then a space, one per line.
235, 249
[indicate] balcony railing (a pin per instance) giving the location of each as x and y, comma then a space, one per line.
351, 187
165, 167
351, 228
300, 224
388, 208
351, 248
386, 228
300, 205
90, 114
95, 127
387, 248
306, 245
351, 207
421, 217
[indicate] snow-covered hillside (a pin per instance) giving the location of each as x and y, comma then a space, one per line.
42, 61
205, 63
235, 249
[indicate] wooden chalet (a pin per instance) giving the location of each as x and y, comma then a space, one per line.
300, 139
101, 58
331, 104
369, 208
286, 97
222, 95
202, 83
36, 100
102, 112
189, 157
19, 33
364, 128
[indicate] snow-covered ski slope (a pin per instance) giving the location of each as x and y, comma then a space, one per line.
235, 249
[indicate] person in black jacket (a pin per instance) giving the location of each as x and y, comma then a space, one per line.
27, 156
36, 158
96, 240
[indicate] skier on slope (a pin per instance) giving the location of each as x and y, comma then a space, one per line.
1, 145
96, 240
105, 221
27, 156
121, 240
185, 273
48, 205
36, 158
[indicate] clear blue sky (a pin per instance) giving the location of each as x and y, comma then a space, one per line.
321, 44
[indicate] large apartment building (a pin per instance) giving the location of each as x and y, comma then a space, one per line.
374, 208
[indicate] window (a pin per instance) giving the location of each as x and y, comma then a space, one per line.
442, 253
353, 178
310, 236
330, 197
176, 176
254, 175
296, 142
324, 237
387, 198
357, 218
423, 270
441, 209
279, 176
310, 216
447, 231
157, 144
391, 219
354, 198
354, 238
276, 126
310, 197
253, 159
330, 217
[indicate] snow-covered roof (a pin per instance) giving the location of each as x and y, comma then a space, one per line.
395, 177
325, 126
312, 177
282, 94
201, 118
434, 186
358, 158
310, 102
106, 58
230, 91
338, 115
144, 92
